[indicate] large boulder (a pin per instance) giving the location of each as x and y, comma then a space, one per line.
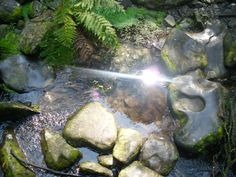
24, 75
230, 49
58, 154
95, 168
159, 154
138, 170
157, 4
9, 164
34, 31
198, 105
92, 125
182, 54
10, 10
15, 110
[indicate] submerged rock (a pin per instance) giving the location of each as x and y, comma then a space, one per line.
58, 154
199, 105
106, 160
159, 154
34, 32
230, 49
138, 170
9, 164
127, 145
92, 125
95, 168
10, 10
15, 110
182, 54
23, 75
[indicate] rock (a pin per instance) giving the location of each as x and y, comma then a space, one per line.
141, 104
159, 154
10, 10
4, 29
92, 125
182, 54
36, 9
170, 20
138, 170
127, 146
58, 154
9, 164
230, 49
157, 4
106, 160
52, 4
199, 105
34, 32
15, 110
95, 168
23, 75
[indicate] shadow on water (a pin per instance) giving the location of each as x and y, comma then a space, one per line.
64, 97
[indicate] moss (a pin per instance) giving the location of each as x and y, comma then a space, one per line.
27, 10
170, 64
10, 166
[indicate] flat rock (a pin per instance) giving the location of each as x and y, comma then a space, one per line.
58, 154
138, 170
159, 154
10, 166
92, 125
128, 144
95, 168
198, 105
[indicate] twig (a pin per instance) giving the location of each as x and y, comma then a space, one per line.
42, 168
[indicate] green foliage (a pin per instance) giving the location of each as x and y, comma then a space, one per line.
26, 10
9, 44
131, 16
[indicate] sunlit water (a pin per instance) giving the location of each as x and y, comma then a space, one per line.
64, 97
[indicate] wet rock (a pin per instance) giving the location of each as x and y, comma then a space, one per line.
138, 170
154, 4
230, 49
182, 54
9, 164
106, 160
58, 154
170, 20
127, 145
159, 154
23, 75
34, 32
10, 10
95, 168
199, 105
92, 125
141, 104
15, 110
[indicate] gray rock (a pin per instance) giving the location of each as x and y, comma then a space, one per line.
34, 32
182, 54
23, 75
127, 146
230, 49
10, 166
58, 154
10, 10
106, 160
159, 154
92, 125
198, 104
15, 110
138, 170
170, 20
37, 8
95, 168
157, 4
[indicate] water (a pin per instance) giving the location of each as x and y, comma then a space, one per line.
69, 92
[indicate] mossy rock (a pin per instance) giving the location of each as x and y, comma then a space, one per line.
10, 11
10, 165
230, 49
16, 110
58, 154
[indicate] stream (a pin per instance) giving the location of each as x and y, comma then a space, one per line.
68, 93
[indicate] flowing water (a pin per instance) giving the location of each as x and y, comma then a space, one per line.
70, 91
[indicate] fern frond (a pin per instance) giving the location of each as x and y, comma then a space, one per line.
99, 26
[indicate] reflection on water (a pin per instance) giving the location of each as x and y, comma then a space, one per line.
64, 97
